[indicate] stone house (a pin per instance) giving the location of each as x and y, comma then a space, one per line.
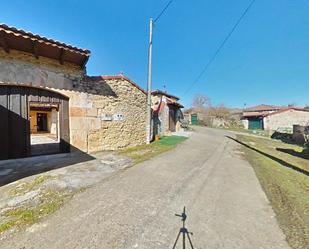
167, 114
275, 118
285, 119
47, 99
252, 117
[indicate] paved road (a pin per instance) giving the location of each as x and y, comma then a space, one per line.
135, 208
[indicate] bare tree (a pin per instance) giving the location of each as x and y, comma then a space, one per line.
219, 111
200, 101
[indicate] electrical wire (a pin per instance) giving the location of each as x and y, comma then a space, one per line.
162, 12
220, 47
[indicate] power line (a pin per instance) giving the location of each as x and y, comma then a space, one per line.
220, 47
162, 12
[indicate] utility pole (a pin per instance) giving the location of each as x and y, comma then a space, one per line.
149, 83
149, 86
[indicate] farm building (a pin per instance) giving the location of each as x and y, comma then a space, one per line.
167, 114
195, 115
274, 118
253, 117
48, 104
213, 116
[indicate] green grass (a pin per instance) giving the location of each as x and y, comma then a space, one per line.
7, 225
49, 202
29, 186
144, 152
253, 132
286, 188
170, 140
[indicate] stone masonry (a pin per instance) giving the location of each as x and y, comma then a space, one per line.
106, 113
286, 119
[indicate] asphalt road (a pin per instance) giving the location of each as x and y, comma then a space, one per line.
135, 208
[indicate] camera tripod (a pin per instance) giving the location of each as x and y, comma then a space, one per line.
184, 231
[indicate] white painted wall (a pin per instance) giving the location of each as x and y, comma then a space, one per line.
245, 123
286, 119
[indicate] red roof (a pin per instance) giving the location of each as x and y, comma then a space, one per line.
170, 102
264, 108
159, 92
17, 39
267, 113
116, 77
288, 109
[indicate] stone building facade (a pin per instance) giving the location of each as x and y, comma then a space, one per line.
104, 112
285, 119
108, 115
167, 114
274, 118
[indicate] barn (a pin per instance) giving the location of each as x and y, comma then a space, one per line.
167, 114
48, 104
274, 118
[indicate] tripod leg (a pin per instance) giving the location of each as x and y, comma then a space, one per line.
176, 240
190, 241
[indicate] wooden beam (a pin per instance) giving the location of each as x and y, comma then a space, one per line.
3, 43
62, 51
35, 49
83, 65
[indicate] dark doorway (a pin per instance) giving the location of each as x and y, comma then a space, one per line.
42, 122
172, 118
15, 132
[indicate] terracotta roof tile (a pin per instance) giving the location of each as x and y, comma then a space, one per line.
155, 92
39, 46
264, 108
288, 109
34, 37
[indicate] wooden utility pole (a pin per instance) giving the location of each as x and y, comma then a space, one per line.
149, 86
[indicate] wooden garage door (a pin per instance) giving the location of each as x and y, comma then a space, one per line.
15, 123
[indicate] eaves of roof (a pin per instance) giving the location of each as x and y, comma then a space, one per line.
159, 92
288, 109
20, 40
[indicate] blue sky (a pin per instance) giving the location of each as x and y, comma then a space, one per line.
265, 61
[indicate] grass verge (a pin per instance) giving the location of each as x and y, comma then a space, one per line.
144, 152
29, 186
49, 202
286, 188
262, 133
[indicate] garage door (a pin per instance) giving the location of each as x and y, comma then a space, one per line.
15, 123
194, 119
256, 124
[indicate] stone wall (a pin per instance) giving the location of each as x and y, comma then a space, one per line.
94, 104
22, 68
286, 119
110, 113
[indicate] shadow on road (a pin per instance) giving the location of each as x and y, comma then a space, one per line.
15, 169
278, 160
